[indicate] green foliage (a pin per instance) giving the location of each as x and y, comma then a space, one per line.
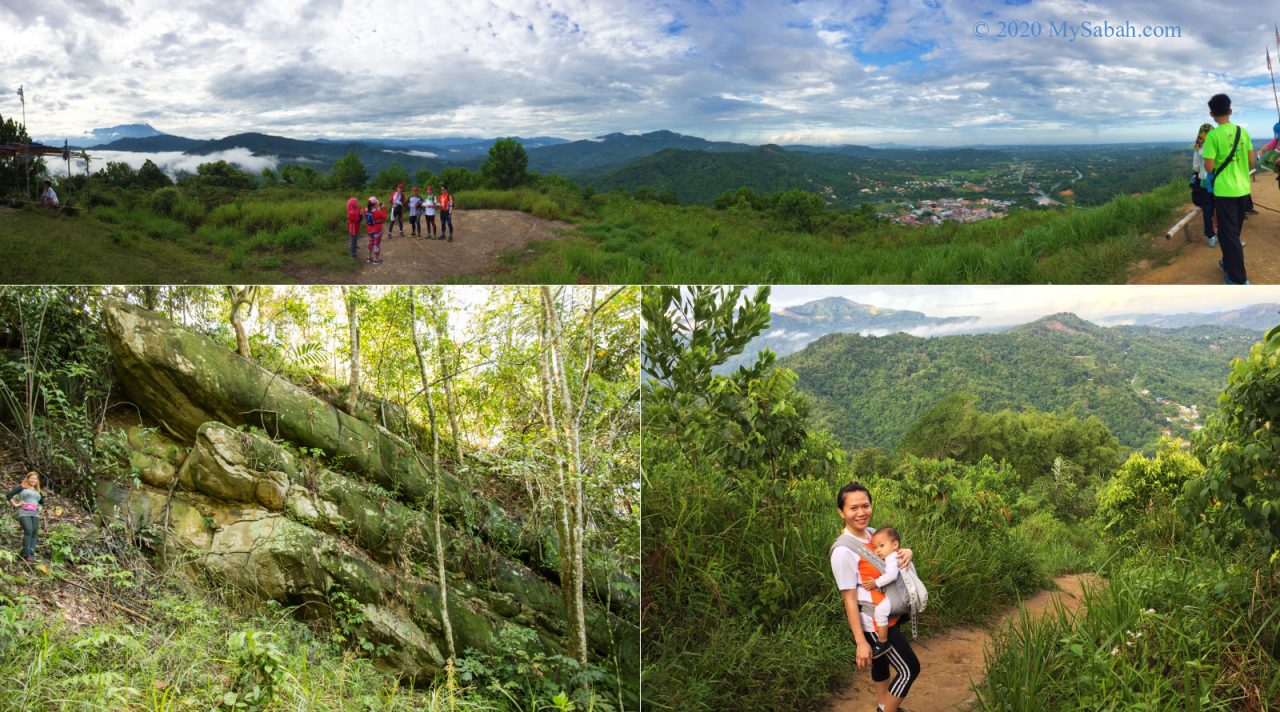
349, 173
269, 178
16, 173
261, 668
1172, 629
799, 208
458, 179
1136, 506
529, 678
507, 166
219, 174
307, 177
150, 177
390, 177
1059, 364
1239, 492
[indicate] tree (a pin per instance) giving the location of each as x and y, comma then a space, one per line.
151, 177
435, 474
800, 208
508, 164
349, 172
301, 176
118, 173
16, 174
221, 174
424, 177
446, 370
241, 297
1239, 492
349, 296
458, 178
391, 176
270, 178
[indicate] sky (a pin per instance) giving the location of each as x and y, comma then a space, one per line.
775, 71
1010, 305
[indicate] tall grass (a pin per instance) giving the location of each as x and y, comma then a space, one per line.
654, 243
740, 608
1181, 630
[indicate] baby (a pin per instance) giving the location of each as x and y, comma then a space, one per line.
885, 543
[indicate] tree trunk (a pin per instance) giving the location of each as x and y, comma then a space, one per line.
450, 405
568, 435
353, 330
242, 297
435, 473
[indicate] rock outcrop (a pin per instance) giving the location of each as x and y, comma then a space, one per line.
227, 491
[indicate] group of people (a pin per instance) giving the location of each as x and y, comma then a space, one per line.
1223, 163
423, 212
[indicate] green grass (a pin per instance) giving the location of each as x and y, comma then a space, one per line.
116, 244
184, 659
1174, 630
633, 241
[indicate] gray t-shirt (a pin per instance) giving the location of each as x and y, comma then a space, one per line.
29, 501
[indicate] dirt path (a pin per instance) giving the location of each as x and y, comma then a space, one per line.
952, 661
1196, 263
480, 237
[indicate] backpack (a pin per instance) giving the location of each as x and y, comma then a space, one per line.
906, 595
368, 217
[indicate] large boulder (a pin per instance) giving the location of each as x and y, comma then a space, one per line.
284, 527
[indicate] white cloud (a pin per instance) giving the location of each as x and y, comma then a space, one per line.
170, 162
851, 71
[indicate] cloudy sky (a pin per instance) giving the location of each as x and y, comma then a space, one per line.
815, 71
1009, 305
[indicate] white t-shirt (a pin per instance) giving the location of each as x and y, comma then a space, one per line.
413, 205
49, 196
844, 566
430, 204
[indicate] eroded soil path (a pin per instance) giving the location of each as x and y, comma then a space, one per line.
480, 238
953, 660
1197, 263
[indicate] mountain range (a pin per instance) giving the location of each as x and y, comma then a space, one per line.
793, 328
869, 390
1255, 317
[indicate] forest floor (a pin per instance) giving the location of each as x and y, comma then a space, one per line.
480, 239
1196, 263
952, 661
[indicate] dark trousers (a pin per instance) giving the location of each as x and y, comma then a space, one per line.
397, 217
431, 225
413, 224
1206, 211
1230, 219
446, 220
30, 525
355, 243
900, 657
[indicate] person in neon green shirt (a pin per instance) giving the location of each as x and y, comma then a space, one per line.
1230, 184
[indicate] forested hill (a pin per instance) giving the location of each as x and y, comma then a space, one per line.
869, 390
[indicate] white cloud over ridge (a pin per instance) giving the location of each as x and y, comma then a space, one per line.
859, 71
171, 162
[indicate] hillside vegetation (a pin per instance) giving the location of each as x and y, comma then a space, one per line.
739, 513
868, 391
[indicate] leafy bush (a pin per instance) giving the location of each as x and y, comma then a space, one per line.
296, 237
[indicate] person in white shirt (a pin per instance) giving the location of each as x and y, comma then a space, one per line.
414, 212
48, 197
854, 504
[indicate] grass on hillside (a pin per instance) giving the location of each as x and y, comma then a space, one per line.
98, 627
643, 242
115, 245
1180, 631
172, 236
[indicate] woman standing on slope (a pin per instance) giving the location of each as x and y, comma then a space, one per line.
28, 500
854, 504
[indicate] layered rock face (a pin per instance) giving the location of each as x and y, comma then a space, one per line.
249, 509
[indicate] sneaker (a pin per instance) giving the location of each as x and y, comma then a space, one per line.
377, 262
1213, 241
450, 238
1221, 266
879, 649
369, 260
1227, 280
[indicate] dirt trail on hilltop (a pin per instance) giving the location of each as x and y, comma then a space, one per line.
1196, 263
953, 660
480, 237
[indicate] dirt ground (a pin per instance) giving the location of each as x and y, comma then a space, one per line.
1195, 263
950, 662
479, 238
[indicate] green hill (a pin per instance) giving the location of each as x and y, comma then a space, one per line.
869, 390
577, 158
